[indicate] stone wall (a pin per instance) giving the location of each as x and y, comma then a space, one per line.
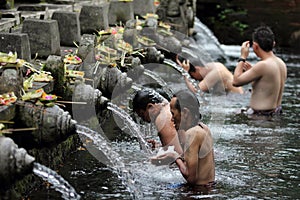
233, 21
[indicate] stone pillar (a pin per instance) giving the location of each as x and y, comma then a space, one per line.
93, 18
16, 42
69, 27
43, 35
142, 7
130, 33
120, 11
55, 65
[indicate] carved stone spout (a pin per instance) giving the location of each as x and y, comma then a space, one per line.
152, 55
113, 81
15, 163
52, 124
94, 102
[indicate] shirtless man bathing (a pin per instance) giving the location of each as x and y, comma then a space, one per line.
267, 76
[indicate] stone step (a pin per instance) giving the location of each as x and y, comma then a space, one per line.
7, 23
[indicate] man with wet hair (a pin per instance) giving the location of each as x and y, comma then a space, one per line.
197, 165
268, 76
152, 107
214, 77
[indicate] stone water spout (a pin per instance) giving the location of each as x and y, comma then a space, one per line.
135, 67
93, 99
15, 162
152, 55
52, 124
113, 80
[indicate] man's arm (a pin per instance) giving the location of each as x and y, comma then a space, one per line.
166, 128
190, 85
244, 73
242, 77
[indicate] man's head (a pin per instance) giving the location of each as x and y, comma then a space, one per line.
185, 109
264, 37
142, 100
193, 70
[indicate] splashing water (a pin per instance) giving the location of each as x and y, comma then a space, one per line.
57, 182
130, 124
115, 160
160, 81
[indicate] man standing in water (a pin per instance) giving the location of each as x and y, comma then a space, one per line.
197, 166
214, 77
152, 107
268, 76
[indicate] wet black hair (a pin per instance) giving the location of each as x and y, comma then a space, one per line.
143, 97
187, 99
264, 36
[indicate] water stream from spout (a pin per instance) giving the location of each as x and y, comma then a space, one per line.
112, 159
160, 81
131, 125
57, 182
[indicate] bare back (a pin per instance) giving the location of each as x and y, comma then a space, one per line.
269, 85
220, 78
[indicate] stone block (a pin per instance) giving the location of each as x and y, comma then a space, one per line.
12, 14
69, 27
120, 11
142, 7
16, 42
93, 18
43, 35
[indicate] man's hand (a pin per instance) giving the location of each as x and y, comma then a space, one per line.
245, 49
165, 159
246, 66
153, 143
186, 65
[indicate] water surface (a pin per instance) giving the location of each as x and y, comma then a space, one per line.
255, 158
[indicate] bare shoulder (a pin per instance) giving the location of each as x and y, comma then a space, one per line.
282, 63
198, 132
215, 65
260, 66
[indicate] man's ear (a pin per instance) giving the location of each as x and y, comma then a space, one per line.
185, 113
149, 106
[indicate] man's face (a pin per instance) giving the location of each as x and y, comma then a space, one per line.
175, 113
144, 114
